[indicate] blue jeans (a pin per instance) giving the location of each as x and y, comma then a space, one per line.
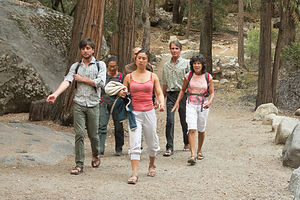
171, 99
103, 121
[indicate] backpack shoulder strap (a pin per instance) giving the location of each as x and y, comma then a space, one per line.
207, 81
207, 78
98, 65
189, 78
120, 76
76, 69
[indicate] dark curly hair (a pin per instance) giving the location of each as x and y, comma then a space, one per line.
200, 58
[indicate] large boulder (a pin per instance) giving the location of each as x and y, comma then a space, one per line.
294, 185
264, 110
284, 129
291, 150
34, 43
288, 92
297, 112
268, 119
276, 121
31, 144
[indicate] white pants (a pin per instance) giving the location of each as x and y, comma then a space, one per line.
146, 123
196, 119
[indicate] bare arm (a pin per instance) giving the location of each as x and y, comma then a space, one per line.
165, 87
61, 88
211, 94
159, 93
82, 79
122, 93
180, 95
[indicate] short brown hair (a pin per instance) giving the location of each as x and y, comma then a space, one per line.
87, 41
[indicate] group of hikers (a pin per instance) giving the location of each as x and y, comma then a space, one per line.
101, 90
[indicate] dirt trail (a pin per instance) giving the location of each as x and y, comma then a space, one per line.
241, 162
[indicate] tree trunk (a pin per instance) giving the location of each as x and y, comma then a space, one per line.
178, 11
152, 7
290, 28
175, 10
126, 36
189, 19
206, 33
146, 24
88, 23
281, 42
181, 11
241, 35
264, 91
40, 110
114, 44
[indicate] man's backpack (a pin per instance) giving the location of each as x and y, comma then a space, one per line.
77, 67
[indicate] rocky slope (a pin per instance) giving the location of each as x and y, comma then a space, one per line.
33, 44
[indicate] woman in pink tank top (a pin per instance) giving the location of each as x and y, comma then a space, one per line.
141, 83
200, 91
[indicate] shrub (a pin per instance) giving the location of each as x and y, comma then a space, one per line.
252, 44
291, 54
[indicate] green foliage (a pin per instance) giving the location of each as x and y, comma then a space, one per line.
218, 10
291, 54
252, 45
111, 16
219, 14
252, 5
67, 4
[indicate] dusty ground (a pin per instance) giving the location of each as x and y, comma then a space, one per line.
241, 162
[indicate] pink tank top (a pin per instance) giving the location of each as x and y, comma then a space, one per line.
141, 94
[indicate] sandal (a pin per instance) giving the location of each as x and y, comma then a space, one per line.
96, 163
152, 171
168, 153
133, 179
200, 156
186, 147
77, 170
192, 160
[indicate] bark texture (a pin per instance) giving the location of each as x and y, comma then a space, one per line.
264, 91
241, 34
206, 33
126, 35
